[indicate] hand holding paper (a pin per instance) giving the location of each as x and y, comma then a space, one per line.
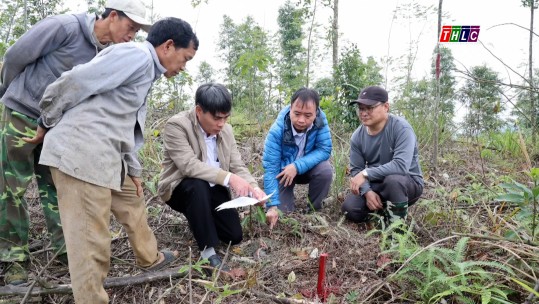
241, 202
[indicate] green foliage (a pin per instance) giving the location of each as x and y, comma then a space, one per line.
523, 110
526, 286
244, 49
206, 73
526, 200
352, 296
351, 76
433, 273
481, 96
340, 160
292, 65
222, 291
418, 102
529, 3
257, 215
504, 143
292, 224
198, 266
169, 96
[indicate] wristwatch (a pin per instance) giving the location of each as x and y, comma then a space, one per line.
365, 174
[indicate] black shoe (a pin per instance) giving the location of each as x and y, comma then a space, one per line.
215, 264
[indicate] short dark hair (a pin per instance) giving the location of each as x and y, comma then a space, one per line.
107, 11
305, 95
214, 98
172, 28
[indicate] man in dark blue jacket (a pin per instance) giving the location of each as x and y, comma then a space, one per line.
297, 151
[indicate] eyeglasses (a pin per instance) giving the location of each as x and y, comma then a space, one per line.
368, 109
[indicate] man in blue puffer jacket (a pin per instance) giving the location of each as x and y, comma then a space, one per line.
297, 151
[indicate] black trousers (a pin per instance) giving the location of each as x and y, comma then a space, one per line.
197, 201
394, 188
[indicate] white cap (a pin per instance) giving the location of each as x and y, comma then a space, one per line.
134, 9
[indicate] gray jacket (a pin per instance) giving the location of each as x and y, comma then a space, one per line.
392, 151
52, 46
96, 113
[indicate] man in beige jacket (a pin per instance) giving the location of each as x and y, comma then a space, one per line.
201, 162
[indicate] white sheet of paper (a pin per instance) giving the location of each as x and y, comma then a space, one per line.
241, 201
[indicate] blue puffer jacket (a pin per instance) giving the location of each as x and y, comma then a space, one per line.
280, 150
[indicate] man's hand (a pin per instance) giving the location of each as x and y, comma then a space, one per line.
38, 138
287, 175
272, 215
356, 182
138, 183
373, 200
259, 194
240, 186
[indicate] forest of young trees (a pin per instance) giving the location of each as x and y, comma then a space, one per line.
470, 239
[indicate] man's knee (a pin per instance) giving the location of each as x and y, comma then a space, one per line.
237, 238
394, 188
324, 171
353, 212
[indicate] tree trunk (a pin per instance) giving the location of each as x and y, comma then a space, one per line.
309, 46
530, 69
434, 156
335, 33
335, 42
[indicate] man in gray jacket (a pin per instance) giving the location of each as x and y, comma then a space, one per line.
51, 47
384, 161
95, 117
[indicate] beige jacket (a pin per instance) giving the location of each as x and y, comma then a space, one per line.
185, 155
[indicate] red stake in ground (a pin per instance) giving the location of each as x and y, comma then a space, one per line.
321, 286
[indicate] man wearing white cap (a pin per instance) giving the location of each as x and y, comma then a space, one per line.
52, 46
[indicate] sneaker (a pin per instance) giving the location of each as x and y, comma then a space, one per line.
16, 274
215, 264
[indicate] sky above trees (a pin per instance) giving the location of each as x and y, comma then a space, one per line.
379, 28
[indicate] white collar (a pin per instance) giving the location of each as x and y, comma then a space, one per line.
296, 133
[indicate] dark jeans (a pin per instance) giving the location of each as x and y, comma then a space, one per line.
197, 201
394, 188
319, 179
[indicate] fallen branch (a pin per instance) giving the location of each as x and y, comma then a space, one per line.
276, 299
10, 290
496, 238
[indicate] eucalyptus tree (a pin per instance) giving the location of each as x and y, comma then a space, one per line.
245, 52
206, 73
446, 107
524, 108
480, 94
351, 76
292, 63
169, 96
